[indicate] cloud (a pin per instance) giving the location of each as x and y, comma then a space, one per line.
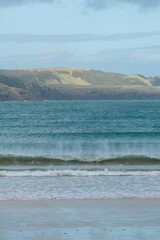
95, 4
21, 2
143, 60
71, 38
101, 4
147, 55
46, 57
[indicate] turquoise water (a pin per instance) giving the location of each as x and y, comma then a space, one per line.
79, 149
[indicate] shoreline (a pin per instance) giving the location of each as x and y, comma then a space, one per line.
80, 219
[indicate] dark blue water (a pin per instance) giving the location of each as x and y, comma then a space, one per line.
77, 149
105, 129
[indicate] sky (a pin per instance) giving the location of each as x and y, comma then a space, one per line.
120, 36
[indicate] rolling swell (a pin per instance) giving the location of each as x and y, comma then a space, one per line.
40, 160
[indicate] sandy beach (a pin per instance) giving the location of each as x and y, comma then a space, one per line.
80, 219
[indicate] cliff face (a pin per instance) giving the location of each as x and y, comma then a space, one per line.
74, 83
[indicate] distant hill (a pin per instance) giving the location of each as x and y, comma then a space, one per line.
75, 83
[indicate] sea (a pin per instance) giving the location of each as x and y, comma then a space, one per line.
79, 150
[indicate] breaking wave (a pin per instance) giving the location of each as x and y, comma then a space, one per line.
76, 173
83, 160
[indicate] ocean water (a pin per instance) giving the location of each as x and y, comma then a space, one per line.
79, 149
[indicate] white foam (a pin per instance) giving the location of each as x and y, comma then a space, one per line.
76, 173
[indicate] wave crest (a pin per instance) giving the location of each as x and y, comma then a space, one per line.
84, 160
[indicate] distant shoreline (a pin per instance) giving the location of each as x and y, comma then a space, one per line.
75, 84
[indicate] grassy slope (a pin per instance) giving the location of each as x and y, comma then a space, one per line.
75, 83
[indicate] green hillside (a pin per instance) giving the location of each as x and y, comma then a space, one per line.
74, 83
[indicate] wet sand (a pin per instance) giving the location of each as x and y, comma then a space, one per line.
80, 219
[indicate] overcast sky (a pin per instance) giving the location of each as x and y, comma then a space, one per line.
110, 35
